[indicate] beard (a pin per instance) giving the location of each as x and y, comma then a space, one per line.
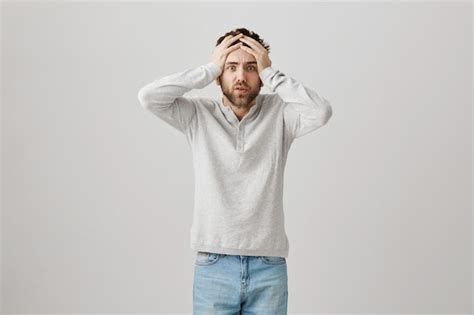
239, 99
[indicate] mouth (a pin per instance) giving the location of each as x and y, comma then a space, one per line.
241, 89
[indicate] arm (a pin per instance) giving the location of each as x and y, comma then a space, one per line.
305, 110
164, 97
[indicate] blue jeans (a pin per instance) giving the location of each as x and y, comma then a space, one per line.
236, 284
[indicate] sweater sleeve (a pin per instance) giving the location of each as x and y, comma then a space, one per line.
164, 97
304, 110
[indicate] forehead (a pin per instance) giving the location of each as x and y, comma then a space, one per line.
240, 56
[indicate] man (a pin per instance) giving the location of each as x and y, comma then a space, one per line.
240, 144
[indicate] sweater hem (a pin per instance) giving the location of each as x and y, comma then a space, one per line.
240, 251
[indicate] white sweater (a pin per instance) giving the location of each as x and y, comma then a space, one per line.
238, 165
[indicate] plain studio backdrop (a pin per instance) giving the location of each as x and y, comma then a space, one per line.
97, 192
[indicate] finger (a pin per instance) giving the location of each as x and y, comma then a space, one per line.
232, 39
252, 43
225, 40
249, 50
234, 47
252, 40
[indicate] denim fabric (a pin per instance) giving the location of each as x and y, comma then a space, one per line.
237, 284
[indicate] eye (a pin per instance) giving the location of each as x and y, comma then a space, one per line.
252, 67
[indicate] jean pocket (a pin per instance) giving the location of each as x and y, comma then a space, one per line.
206, 258
273, 260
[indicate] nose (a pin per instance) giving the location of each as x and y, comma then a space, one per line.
240, 74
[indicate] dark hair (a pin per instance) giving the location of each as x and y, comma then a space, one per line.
246, 32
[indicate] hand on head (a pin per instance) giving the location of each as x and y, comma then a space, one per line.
221, 51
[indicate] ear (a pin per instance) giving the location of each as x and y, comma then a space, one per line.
218, 81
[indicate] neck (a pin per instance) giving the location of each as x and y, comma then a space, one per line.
239, 111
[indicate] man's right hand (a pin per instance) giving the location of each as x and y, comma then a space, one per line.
221, 51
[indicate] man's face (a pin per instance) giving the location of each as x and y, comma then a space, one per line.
240, 71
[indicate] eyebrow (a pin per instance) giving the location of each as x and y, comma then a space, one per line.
236, 63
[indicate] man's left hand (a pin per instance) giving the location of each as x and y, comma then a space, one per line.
258, 51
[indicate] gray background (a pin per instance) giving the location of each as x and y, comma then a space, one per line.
97, 192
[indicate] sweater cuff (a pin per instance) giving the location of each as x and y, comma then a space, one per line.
215, 69
266, 73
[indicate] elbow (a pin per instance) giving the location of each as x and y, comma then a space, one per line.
327, 112
143, 98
